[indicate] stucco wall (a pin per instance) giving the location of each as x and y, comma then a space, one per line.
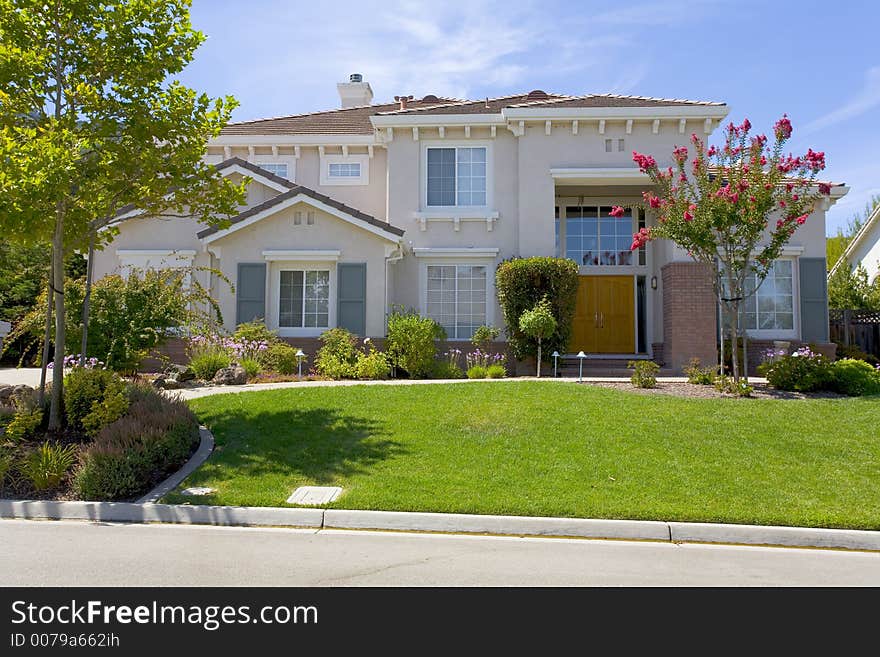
867, 253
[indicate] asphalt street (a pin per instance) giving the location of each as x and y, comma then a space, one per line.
70, 553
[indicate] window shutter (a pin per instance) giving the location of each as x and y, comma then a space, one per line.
814, 299
352, 297
250, 292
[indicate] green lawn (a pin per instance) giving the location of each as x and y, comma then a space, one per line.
555, 449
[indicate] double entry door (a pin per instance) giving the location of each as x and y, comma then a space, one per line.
604, 316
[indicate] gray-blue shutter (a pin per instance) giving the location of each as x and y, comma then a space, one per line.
351, 297
814, 299
250, 292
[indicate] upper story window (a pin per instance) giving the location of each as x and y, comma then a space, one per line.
278, 168
456, 176
344, 170
593, 237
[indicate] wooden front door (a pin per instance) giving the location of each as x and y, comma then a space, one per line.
604, 316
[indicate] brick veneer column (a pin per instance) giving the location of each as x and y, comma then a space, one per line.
689, 317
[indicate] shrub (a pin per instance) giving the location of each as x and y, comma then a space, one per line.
251, 367
446, 369
372, 365
851, 351
522, 283
137, 450
280, 357
5, 465
338, 355
411, 342
702, 376
93, 398
483, 336
644, 373
255, 331
854, 377
24, 424
207, 354
46, 466
477, 372
802, 371
496, 371
727, 384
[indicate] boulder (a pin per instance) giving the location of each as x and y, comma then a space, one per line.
21, 391
180, 373
5, 393
230, 376
171, 384
159, 382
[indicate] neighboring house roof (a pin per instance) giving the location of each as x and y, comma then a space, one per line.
863, 235
356, 120
294, 191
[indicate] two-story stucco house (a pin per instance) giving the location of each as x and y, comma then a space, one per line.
354, 210
864, 249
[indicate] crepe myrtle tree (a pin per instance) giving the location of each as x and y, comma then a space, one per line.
93, 124
720, 204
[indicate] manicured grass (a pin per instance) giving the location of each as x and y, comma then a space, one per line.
554, 449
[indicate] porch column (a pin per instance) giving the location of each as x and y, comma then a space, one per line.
689, 315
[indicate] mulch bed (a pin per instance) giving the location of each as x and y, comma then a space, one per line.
684, 389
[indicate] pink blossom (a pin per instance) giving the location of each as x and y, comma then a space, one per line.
801, 220
763, 160
680, 154
746, 125
688, 216
640, 238
617, 212
645, 162
781, 204
794, 197
712, 151
650, 199
753, 199
824, 188
816, 161
779, 223
759, 141
782, 128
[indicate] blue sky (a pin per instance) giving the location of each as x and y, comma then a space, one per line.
813, 60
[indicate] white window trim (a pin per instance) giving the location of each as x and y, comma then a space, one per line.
289, 160
275, 297
490, 177
362, 159
302, 255
785, 334
451, 259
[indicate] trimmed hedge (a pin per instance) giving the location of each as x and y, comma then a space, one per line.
135, 452
522, 283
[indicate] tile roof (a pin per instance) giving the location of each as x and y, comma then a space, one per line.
294, 190
356, 120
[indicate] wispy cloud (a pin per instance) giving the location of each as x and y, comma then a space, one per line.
866, 99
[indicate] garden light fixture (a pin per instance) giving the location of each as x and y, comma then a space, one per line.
300, 356
581, 355
555, 355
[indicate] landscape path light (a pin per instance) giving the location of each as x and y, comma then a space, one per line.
581, 355
300, 357
555, 355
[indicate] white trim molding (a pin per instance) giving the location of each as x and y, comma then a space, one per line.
302, 255
600, 175
456, 252
362, 160
308, 200
456, 217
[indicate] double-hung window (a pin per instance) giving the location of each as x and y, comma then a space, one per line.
304, 299
344, 170
278, 168
771, 307
456, 176
456, 298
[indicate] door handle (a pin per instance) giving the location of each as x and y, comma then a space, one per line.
596, 319
602, 320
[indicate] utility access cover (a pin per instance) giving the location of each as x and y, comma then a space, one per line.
314, 495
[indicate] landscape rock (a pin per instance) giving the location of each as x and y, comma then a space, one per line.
230, 376
21, 391
171, 384
159, 382
180, 373
5, 393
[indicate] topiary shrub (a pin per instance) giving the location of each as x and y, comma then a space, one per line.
522, 283
854, 377
538, 324
411, 342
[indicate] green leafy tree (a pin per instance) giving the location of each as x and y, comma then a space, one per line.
849, 289
92, 123
538, 324
733, 208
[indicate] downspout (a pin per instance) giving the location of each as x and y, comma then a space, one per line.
395, 256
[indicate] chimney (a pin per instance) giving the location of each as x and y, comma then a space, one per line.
355, 92
403, 100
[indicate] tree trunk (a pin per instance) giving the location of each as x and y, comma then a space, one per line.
539, 358
86, 300
47, 332
734, 330
55, 410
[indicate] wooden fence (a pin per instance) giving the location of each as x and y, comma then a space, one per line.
858, 328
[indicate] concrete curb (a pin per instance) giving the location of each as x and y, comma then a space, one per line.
206, 446
317, 519
164, 513
506, 525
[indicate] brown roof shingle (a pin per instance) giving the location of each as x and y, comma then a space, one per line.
356, 120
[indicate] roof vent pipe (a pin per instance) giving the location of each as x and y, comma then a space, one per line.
403, 100
355, 77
